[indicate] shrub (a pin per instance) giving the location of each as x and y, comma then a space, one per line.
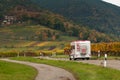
27, 53
15, 54
47, 53
60, 52
8, 54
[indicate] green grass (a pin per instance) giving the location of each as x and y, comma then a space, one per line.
13, 71
80, 70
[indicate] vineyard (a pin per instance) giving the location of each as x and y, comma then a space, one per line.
33, 48
112, 48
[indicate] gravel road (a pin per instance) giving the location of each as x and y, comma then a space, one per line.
110, 63
46, 72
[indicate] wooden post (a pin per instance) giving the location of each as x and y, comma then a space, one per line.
18, 54
24, 54
99, 54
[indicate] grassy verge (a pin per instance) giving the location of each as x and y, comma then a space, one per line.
60, 56
92, 58
80, 70
13, 71
109, 58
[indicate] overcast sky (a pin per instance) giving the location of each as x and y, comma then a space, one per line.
115, 2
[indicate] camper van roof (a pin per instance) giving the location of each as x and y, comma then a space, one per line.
82, 41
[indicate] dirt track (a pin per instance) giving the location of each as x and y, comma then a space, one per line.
46, 72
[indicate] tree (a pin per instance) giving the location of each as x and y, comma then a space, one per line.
59, 25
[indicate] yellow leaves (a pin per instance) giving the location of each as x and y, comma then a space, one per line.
111, 47
43, 43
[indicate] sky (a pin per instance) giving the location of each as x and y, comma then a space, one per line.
115, 2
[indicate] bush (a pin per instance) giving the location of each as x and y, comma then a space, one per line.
15, 54
8, 54
102, 53
47, 53
50, 53
28, 53
60, 52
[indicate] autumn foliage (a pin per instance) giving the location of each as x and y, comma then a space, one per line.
112, 48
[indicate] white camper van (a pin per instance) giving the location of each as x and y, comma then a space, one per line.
80, 50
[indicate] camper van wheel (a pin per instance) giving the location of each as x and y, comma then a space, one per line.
83, 58
87, 58
74, 59
70, 58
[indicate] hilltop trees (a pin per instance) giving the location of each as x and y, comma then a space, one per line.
27, 13
46, 35
95, 14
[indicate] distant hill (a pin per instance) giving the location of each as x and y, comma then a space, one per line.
95, 14
16, 15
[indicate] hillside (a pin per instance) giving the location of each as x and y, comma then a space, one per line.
32, 37
17, 15
95, 14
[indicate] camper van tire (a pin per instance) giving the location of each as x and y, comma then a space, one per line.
79, 58
87, 58
72, 58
